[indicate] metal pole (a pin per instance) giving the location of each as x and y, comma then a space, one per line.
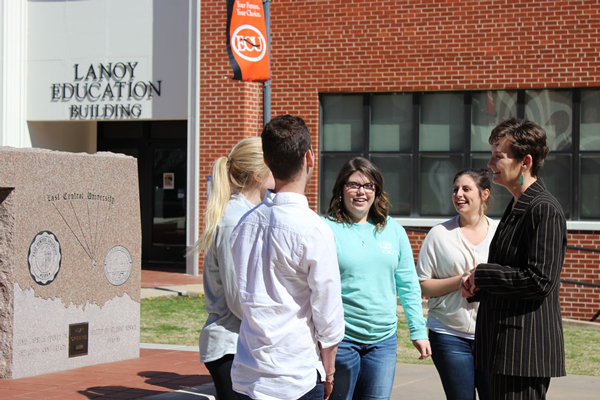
267, 84
193, 140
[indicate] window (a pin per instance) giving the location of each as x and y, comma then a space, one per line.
420, 140
589, 154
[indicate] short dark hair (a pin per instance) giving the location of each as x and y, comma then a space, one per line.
481, 177
379, 210
525, 137
285, 141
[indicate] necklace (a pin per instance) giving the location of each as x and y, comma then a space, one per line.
364, 245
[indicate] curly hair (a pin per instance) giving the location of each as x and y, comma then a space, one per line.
381, 205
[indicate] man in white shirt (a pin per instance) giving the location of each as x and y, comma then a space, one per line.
286, 265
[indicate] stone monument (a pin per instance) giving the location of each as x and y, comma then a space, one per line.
70, 254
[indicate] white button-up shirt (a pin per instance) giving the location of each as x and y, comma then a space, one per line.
290, 293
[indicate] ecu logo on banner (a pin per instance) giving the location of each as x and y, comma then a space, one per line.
247, 40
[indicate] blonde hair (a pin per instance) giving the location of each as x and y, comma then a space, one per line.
245, 160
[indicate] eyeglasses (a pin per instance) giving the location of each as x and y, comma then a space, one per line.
354, 186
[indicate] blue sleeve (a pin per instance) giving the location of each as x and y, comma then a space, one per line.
408, 288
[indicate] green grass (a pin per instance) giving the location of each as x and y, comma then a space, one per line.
407, 354
582, 349
172, 320
179, 319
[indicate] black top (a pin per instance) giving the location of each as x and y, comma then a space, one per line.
519, 323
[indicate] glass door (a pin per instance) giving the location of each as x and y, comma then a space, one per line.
161, 150
169, 189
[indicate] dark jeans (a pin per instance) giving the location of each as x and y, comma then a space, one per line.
453, 359
316, 393
220, 371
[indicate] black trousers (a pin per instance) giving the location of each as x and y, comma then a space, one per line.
507, 387
220, 371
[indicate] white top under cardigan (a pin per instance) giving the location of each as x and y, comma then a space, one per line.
286, 263
220, 332
445, 253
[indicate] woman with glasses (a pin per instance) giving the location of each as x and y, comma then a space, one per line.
376, 264
449, 252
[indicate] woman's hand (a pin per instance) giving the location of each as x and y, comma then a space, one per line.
423, 346
467, 284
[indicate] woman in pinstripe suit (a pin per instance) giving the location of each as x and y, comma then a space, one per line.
518, 337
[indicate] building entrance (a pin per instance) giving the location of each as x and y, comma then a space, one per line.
160, 148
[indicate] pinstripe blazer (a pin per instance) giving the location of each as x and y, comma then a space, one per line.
519, 323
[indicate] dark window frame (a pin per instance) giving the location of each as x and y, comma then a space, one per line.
466, 153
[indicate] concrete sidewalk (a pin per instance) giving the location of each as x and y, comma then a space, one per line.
175, 372
415, 382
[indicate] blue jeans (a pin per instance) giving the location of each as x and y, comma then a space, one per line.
453, 358
365, 371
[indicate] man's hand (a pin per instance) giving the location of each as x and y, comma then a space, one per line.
328, 387
424, 348
328, 358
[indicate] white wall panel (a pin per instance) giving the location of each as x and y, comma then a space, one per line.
70, 43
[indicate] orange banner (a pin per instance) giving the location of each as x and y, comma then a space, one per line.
247, 40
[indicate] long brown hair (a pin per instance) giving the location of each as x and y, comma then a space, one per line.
381, 205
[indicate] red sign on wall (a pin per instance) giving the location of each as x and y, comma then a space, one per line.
247, 44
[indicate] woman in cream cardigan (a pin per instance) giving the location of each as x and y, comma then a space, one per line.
450, 251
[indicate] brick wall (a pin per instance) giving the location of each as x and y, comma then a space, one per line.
229, 110
366, 46
581, 302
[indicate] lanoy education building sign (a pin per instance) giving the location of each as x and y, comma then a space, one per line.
105, 91
83, 70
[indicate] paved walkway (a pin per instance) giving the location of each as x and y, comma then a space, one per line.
421, 382
175, 372
161, 283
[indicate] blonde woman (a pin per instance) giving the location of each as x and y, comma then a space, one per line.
239, 182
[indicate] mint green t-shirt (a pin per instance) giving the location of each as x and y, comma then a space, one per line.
374, 267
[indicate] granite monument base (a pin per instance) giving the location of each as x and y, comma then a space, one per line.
70, 260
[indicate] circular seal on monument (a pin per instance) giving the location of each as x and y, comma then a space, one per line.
44, 258
117, 265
